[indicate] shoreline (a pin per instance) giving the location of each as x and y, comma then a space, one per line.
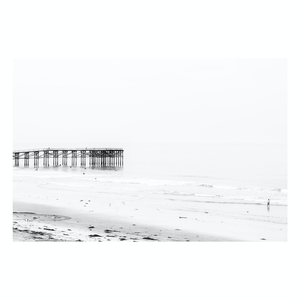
36, 226
81, 208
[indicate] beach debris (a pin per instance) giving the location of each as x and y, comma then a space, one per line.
149, 238
94, 235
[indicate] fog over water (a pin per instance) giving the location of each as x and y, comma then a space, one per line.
191, 122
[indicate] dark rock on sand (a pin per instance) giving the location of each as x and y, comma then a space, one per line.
149, 238
94, 235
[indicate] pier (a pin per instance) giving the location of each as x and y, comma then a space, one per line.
106, 158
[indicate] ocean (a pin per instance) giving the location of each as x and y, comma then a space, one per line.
186, 173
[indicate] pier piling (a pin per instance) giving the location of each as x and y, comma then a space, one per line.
46, 158
36, 159
83, 158
26, 159
65, 157
16, 159
55, 158
98, 158
74, 158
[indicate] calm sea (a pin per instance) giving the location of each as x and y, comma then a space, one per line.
227, 173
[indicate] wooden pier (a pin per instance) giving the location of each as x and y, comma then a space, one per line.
106, 158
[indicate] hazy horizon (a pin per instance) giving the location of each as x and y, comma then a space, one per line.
114, 103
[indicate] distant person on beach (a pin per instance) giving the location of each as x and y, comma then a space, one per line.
268, 204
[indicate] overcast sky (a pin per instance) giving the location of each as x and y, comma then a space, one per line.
108, 103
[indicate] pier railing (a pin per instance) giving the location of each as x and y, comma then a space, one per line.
95, 157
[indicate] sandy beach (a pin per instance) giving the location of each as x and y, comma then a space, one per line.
69, 206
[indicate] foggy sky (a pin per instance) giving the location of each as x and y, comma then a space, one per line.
108, 103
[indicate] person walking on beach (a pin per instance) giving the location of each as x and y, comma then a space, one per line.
268, 205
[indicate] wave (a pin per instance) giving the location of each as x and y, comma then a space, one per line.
222, 198
204, 187
168, 183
